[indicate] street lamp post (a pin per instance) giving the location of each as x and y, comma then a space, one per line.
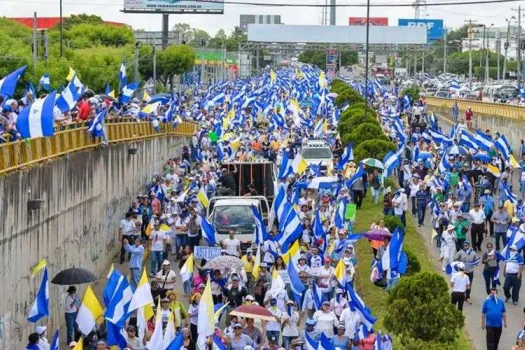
506, 45
366, 52
487, 76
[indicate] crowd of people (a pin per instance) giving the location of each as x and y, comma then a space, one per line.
460, 190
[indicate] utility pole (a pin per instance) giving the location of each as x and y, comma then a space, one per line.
136, 66
154, 70
35, 44
498, 53
423, 63
332, 12
445, 51
367, 52
470, 53
61, 31
506, 46
518, 57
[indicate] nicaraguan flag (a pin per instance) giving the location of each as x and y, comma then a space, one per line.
503, 146
208, 232
390, 162
127, 92
111, 285
357, 304
261, 234
508, 193
295, 283
56, 341
358, 174
318, 230
45, 82
377, 344
36, 120
8, 83
116, 335
177, 343
32, 90
454, 132
309, 343
108, 89
286, 166
117, 310
40, 306
516, 238
68, 99
440, 138
318, 296
444, 165
339, 219
484, 141
122, 74
325, 343
392, 256
466, 139
292, 231
454, 85
348, 155
351, 239
406, 102
96, 129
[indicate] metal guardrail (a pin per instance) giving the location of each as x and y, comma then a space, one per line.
74, 137
487, 108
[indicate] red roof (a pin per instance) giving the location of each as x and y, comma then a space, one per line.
50, 22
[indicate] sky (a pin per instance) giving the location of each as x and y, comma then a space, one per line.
453, 16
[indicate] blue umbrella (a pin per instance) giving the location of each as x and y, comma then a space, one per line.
424, 156
457, 150
482, 157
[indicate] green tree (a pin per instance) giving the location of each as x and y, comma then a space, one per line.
419, 307
315, 57
349, 95
183, 32
198, 37
173, 61
74, 20
349, 58
364, 132
376, 149
414, 266
392, 222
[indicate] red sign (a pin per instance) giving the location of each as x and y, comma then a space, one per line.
374, 21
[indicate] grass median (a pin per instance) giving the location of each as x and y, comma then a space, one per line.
376, 297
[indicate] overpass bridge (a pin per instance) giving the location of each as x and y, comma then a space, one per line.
78, 191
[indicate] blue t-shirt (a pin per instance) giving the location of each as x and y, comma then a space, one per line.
493, 309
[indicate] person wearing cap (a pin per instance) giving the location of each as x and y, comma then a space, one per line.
302, 266
478, 226
520, 341
290, 321
102, 345
460, 284
341, 340
179, 310
487, 203
166, 276
461, 227
273, 328
338, 302
71, 306
513, 269
493, 318
248, 260
468, 257
237, 340
351, 319
326, 320
448, 245
132, 339
157, 292
324, 277
43, 344
311, 330
234, 295
33, 340
127, 229
501, 220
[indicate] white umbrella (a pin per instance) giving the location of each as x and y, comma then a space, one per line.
373, 163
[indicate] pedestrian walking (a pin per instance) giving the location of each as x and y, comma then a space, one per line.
501, 221
135, 263
460, 284
493, 319
478, 226
127, 230
72, 305
469, 258
158, 244
490, 262
422, 199
513, 267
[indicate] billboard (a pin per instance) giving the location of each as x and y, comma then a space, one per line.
174, 6
374, 21
434, 26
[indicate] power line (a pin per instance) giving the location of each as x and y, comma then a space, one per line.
251, 3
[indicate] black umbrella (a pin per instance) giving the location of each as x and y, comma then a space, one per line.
74, 275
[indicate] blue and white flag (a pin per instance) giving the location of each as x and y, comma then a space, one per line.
358, 174
177, 343
291, 232
122, 74
8, 83
508, 193
339, 219
310, 344
390, 162
40, 307
516, 238
357, 304
295, 283
440, 138
377, 344
361, 332
444, 165
406, 102
503, 146
350, 240
286, 166
348, 155
208, 232
392, 259
466, 139
68, 99
317, 226
318, 296
454, 132
111, 285
96, 129
484, 141
56, 341
453, 266
261, 234
116, 335
44, 82
454, 85
36, 120
117, 310
127, 92
325, 343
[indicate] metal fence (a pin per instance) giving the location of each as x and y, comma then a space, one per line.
74, 137
486, 108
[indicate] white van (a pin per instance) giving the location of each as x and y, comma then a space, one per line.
317, 152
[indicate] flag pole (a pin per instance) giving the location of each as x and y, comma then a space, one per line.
366, 53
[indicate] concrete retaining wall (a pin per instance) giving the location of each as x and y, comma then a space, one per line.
85, 195
514, 130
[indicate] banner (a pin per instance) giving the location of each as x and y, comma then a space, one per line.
351, 210
207, 253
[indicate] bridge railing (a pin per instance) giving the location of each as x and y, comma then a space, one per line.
487, 108
71, 138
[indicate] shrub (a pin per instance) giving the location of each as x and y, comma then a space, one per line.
373, 149
366, 131
392, 222
419, 307
348, 95
357, 109
414, 266
407, 343
348, 125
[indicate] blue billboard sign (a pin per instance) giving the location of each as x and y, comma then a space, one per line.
434, 26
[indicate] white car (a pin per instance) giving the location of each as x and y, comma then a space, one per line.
317, 152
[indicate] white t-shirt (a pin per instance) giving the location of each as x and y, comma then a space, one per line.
231, 246
167, 282
478, 217
128, 227
157, 241
460, 281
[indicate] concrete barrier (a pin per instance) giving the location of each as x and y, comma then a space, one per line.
85, 195
507, 120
